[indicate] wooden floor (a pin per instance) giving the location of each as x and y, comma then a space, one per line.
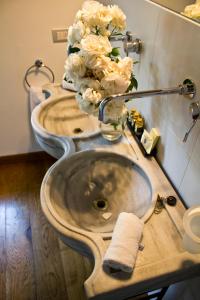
34, 263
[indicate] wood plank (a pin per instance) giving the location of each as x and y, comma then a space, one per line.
77, 269
49, 272
20, 284
23, 176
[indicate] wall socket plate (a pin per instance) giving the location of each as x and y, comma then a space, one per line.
59, 35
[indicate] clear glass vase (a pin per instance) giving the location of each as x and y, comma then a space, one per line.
115, 115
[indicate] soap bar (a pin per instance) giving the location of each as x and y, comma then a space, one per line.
154, 133
149, 140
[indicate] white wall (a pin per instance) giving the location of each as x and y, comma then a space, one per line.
25, 33
170, 54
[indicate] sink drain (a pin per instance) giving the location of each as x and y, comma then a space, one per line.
100, 204
77, 130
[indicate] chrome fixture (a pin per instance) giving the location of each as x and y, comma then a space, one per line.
195, 112
187, 88
131, 44
36, 67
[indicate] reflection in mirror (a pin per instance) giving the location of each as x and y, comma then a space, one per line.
189, 8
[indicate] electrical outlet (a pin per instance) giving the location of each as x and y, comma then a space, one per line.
59, 35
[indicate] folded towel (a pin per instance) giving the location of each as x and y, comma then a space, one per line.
67, 84
122, 251
36, 96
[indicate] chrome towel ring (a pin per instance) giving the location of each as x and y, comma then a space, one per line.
37, 65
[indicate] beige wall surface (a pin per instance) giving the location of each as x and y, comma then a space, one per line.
25, 33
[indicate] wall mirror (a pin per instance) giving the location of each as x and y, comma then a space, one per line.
179, 5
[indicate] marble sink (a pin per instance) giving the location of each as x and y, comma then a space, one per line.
60, 115
57, 122
87, 191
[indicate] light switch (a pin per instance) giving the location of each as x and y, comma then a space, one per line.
59, 35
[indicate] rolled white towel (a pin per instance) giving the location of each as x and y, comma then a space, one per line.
122, 251
36, 96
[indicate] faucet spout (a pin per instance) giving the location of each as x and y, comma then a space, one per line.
187, 88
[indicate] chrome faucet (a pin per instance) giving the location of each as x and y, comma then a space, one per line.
187, 88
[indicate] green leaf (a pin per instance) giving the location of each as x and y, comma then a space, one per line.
115, 52
133, 84
72, 50
136, 62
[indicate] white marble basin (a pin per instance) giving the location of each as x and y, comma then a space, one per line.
61, 116
88, 190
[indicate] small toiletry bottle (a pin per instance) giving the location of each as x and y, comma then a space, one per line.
135, 118
139, 126
131, 114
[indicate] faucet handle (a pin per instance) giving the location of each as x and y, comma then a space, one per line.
131, 44
195, 112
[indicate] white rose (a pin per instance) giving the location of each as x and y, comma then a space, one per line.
98, 20
92, 96
98, 62
96, 45
115, 83
118, 17
192, 11
89, 59
92, 6
77, 32
84, 83
79, 16
85, 105
75, 66
196, 12
96, 16
125, 67
103, 63
104, 66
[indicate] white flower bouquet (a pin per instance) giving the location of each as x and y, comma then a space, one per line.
95, 68
193, 11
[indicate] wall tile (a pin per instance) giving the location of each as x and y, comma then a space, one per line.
190, 185
172, 156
